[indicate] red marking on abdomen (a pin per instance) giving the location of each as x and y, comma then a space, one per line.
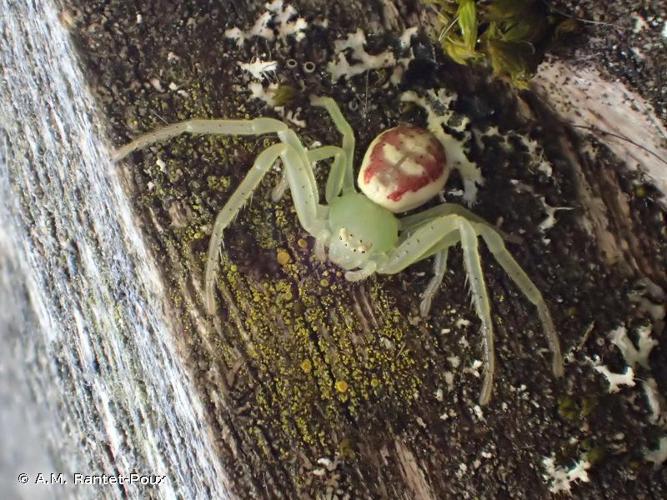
433, 160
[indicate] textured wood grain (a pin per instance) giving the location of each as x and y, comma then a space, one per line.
249, 400
91, 382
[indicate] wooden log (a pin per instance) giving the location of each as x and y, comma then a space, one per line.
303, 384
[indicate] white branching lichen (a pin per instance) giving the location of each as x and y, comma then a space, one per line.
356, 42
260, 70
456, 156
351, 58
287, 21
560, 479
659, 455
277, 18
616, 379
631, 354
258, 91
550, 220
656, 403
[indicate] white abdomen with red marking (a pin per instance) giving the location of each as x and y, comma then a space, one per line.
403, 168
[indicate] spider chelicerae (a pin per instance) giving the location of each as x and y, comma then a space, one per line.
403, 168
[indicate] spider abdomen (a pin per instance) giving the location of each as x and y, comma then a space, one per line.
403, 167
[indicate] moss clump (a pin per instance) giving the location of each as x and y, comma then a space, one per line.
509, 35
574, 409
283, 95
568, 409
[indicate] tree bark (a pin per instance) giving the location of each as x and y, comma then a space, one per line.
304, 384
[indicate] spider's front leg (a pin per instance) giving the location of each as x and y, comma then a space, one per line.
304, 195
334, 180
341, 178
258, 126
298, 173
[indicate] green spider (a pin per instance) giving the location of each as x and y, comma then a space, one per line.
403, 168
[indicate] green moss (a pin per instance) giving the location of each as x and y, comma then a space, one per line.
510, 36
568, 409
595, 455
576, 408
283, 95
588, 405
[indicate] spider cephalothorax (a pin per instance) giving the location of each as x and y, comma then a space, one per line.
403, 168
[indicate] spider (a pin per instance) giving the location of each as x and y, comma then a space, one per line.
403, 168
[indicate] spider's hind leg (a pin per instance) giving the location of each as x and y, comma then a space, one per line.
439, 269
495, 244
480, 299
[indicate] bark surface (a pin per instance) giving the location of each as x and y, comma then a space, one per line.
313, 386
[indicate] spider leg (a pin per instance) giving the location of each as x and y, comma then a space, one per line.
262, 165
334, 180
409, 222
436, 235
304, 195
298, 172
258, 126
369, 268
480, 298
420, 244
336, 177
281, 186
321, 241
439, 269
324, 152
495, 244
348, 142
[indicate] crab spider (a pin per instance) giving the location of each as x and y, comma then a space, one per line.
402, 169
